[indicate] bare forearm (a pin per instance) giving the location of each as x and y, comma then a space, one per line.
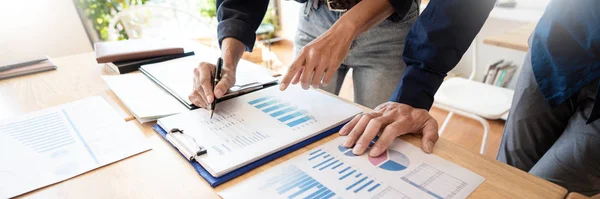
232, 51
364, 16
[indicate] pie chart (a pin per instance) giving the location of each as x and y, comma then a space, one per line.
391, 161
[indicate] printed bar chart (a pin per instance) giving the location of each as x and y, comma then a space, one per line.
42, 134
282, 111
295, 183
352, 179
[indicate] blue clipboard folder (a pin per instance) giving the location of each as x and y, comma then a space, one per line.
216, 181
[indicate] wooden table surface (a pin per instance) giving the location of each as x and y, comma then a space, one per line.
514, 39
162, 173
76, 77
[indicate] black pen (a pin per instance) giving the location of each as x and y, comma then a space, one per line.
217, 78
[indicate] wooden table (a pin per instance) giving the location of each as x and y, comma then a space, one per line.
162, 173
514, 39
77, 77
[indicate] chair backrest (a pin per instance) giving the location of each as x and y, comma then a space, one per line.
164, 22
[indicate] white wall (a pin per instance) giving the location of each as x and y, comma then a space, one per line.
500, 21
40, 27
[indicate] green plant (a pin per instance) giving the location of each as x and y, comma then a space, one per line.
99, 12
208, 8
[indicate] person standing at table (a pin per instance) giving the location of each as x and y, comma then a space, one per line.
368, 37
553, 129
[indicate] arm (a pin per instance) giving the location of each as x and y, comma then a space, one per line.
324, 55
433, 47
238, 21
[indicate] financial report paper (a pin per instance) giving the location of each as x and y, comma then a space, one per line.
55, 144
252, 126
333, 171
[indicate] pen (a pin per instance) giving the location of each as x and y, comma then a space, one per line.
22, 64
217, 78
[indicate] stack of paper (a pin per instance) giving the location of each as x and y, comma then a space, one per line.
55, 144
142, 97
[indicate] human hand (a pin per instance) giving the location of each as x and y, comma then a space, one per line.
318, 61
394, 119
203, 95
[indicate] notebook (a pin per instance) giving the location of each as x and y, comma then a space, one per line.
123, 67
114, 51
27, 67
176, 76
253, 126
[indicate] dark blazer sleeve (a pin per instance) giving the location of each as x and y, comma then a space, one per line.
239, 19
435, 44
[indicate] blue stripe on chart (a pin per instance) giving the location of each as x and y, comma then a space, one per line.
373, 188
328, 165
299, 121
323, 194
320, 191
314, 152
351, 172
362, 187
296, 184
336, 166
342, 171
266, 104
320, 154
259, 100
272, 108
281, 112
290, 116
304, 188
81, 138
356, 183
331, 158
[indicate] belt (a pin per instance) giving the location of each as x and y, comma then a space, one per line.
340, 5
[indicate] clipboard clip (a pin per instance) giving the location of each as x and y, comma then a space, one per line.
185, 143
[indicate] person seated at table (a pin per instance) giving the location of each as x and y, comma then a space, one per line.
367, 38
553, 129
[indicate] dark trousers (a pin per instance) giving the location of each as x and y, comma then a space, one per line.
553, 143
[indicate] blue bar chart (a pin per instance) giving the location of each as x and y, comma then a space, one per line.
42, 134
354, 180
282, 111
295, 183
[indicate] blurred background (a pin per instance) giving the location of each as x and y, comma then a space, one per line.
66, 27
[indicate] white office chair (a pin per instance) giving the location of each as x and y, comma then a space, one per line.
474, 100
161, 22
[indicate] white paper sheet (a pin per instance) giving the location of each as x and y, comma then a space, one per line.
55, 144
332, 171
146, 100
255, 125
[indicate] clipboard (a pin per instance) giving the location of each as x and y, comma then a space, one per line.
216, 181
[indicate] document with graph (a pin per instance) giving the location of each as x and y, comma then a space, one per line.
333, 171
55, 144
247, 128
